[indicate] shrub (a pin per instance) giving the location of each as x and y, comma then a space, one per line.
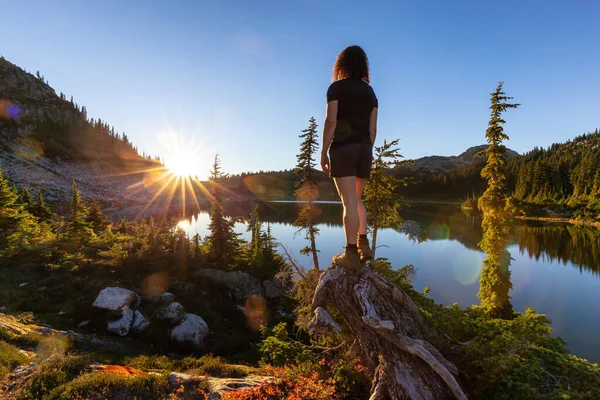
288, 385
52, 373
278, 350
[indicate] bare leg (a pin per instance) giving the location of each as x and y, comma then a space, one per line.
362, 212
346, 187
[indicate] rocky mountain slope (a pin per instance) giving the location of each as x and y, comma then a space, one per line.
437, 164
46, 141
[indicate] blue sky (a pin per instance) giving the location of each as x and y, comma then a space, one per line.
242, 78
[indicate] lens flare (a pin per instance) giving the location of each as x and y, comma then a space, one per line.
256, 307
467, 267
28, 148
9, 110
156, 284
50, 345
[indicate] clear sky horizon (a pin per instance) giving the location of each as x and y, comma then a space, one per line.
242, 79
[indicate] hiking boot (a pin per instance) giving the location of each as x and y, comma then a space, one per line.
364, 250
349, 259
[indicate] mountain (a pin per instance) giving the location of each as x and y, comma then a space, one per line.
46, 141
437, 164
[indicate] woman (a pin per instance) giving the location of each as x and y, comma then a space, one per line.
349, 134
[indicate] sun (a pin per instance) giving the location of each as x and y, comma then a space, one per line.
182, 163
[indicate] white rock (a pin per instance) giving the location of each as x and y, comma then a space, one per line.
3, 309
140, 323
83, 323
191, 331
24, 284
61, 313
115, 298
122, 325
173, 312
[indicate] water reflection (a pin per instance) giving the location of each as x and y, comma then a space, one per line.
578, 245
554, 270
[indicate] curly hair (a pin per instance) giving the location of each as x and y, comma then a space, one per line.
352, 62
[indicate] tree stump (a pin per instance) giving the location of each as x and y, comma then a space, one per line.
390, 333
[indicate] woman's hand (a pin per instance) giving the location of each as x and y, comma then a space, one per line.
325, 162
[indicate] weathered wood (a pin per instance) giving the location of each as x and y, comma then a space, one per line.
390, 333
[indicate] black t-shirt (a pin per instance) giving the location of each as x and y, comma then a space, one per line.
356, 99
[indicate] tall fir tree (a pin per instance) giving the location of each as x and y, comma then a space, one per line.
495, 281
10, 207
381, 198
307, 189
78, 225
26, 199
96, 218
40, 209
222, 243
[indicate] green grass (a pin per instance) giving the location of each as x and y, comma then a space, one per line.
205, 365
56, 371
10, 357
100, 386
29, 340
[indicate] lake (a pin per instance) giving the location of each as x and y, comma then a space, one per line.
554, 268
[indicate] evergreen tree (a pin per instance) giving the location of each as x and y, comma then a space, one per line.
40, 209
495, 277
381, 199
222, 242
25, 198
96, 218
78, 225
10, 208
306, 189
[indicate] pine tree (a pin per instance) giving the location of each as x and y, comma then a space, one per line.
222, 242
307, 190
381, 199
96, 218
78, 226
40, 209
10, 208
495, 277
25, 198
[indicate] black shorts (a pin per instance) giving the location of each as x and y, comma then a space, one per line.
353, 159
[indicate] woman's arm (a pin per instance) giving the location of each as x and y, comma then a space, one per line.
373, 125
328, 131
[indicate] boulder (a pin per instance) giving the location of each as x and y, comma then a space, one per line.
115, 299
190, 332
161, 299
122, 325
241, 284
173, 312
140, 323
166, 298
273, 288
